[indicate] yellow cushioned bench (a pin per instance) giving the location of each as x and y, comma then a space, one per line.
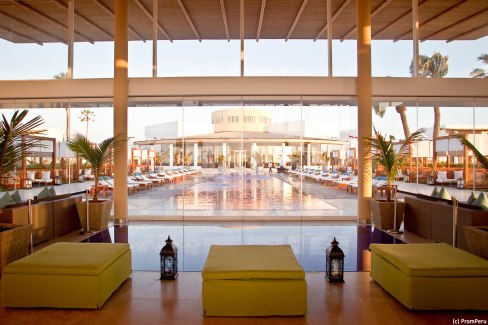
253, 280
433, 276
66, 275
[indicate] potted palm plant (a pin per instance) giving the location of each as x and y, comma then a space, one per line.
383, 153
96, 155
476, 236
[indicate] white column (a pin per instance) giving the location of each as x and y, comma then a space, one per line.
364, 89
171, 155
241, 32
224, 152
309, 154
329, 35
415, 36
195, 154
283, 153
155, 39
71, 36
254, 151
121, 91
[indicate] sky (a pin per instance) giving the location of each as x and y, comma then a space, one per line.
221, 58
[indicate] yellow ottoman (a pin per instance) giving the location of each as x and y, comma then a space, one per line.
260, 280
431, 276
66, 275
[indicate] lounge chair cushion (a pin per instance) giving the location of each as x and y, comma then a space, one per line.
443, 194
46, 175
269, 262
472, 198
66, 275
481, 201
5, 200
16, 197
44, 193
441, 175
435, 260
458, 174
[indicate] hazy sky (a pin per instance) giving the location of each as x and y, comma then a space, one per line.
221, 58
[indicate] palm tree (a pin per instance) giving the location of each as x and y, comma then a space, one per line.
436, 66
87, 116
12, 147
383, 153
96, 156
478, 72
61, 75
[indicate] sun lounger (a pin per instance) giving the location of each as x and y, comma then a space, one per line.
45, 178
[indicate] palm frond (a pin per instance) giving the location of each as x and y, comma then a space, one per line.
483, 160
479, 73
383, 151
12, 148
97, 155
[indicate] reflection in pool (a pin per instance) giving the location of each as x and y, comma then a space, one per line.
308, 241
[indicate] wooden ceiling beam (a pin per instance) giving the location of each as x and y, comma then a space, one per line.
467, 32
18, 34
398, 19
261, 18
112, 14
83, 18
149, 15
188, 18
297, 18
439, 15
338, 12
374, 13
49, 19
456, 23
20, 21
224, 18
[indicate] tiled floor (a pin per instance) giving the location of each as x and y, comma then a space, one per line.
145, 300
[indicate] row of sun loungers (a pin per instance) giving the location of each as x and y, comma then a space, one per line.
140, 181
339, 180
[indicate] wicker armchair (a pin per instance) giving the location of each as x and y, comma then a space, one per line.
14, 243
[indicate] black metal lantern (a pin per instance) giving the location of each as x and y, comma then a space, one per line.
169, 261
430, 180
406, 178
334, 263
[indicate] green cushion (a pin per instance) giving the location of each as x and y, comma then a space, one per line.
44, 193
435, 192
481, 201
52, 191
267, 262
431, 260
443, 194
472, 198
5, 200
69, 258
16, 197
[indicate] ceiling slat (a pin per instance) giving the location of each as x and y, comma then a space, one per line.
49, 19
112, 14
149, 15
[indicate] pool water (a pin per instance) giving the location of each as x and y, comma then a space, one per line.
308, 241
